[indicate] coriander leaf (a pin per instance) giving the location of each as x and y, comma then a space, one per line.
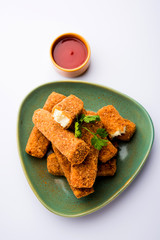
88, 130
90, 119
78, 132
81, 118
98, 143
102, 132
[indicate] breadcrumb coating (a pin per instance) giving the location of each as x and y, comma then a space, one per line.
37, 144
104, 169
130, 130
107, 169
84, 174
73, 148
114, 123
70, 107
107, 152
53, 165
66, 168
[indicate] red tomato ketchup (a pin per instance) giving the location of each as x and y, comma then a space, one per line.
69, 53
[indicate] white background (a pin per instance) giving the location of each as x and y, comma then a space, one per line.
124, 37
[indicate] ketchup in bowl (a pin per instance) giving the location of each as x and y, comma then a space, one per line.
70, 53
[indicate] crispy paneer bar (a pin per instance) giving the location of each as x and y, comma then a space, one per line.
115, 124
66, 111
74, 149
130, 130
107, 152
53, 165
37, 144
112, 121
84, 174
66, 168
107, 169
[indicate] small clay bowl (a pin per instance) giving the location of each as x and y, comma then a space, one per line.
73, 71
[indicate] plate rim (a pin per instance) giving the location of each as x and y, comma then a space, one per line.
128, 181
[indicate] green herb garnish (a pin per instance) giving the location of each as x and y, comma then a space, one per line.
91, 119
83, 118
97, 140
102, 132
78, 132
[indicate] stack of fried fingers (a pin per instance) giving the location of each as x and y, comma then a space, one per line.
75, 158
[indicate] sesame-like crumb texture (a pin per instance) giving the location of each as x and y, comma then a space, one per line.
111, 120
53, 99
107, 152
66, 168
73, 148
71, 106
130, 130
53, 165
90, 113
37, 144
107, 169
84, 174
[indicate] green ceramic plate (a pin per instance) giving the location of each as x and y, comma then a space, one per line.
54, 192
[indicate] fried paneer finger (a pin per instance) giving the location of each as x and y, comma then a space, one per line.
37, 144
66, 168
114, 124
74, 149
107, 169
66, 111
53, 165
130, 130
84, 174
107, 152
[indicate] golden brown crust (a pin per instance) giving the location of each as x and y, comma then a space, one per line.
82, 192
107, 152
66, 168
104, 169
111, 120
53, 99
84, 111
53, 165
91, 113
83, 175
130, 130
107, 169
86, 136
73, 148
71, 106
37, 144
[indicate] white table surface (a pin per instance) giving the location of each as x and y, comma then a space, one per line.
124, 37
